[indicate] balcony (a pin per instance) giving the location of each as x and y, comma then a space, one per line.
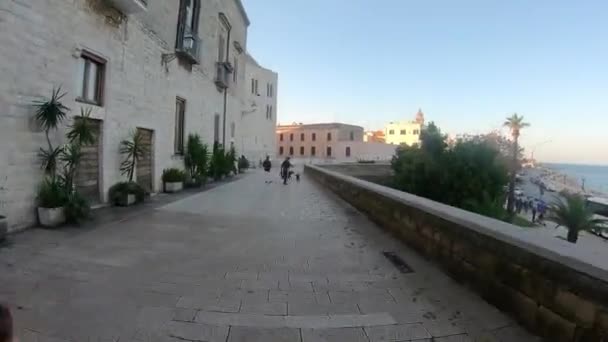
129, 6
222, 75
188, 48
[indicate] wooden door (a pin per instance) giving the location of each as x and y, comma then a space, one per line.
144, 165
88, 171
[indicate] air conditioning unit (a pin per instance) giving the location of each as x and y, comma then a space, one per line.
129, 6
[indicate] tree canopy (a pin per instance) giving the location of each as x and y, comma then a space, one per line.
470, 174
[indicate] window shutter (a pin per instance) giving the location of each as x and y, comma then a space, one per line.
181, 25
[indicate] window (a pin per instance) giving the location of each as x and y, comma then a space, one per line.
269, 89
352, 135
328, 136
290, 136
329, 151
291, 150
402, 132
347, 151
256, 88
281, 137
270, 113
232, 129
187, 25
313, 151
314, 137
280, 150
416, 132
216, 128
180, 111
235, 70
391, 132
92, 75
301, 150
302, 136
253, 86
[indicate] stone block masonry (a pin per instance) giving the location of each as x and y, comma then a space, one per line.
551, 287
42, 42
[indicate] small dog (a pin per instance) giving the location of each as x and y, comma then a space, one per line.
297, 177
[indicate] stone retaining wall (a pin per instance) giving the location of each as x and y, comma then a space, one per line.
554, 288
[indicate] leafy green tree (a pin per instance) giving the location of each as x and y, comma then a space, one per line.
515, 123
572, 212
196, 159
469, 175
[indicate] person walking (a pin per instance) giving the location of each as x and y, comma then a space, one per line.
267, 165
285, 166
533, 213
6, 325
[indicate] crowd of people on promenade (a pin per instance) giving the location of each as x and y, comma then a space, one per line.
537, 207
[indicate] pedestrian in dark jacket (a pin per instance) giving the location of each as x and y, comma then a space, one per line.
285, 166
6, 324
267, 165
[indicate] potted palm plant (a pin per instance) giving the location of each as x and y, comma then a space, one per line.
50, 112
173, 180
128, 193
52, 199
572, 212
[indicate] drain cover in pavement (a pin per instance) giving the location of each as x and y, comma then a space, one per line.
398, 262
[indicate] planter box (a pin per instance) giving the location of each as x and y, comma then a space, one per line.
127, 200
174, 186
3, 228
51, 217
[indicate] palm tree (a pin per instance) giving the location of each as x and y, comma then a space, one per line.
50, 112
515, 123
133, 150
573, 213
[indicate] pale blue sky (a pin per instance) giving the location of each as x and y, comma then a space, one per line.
466, 63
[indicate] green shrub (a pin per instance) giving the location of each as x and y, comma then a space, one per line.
51, 193
77, 208
217, 164
229, 162
173, 175
119, 191
196, 159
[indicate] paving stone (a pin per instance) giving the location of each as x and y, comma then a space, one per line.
334, 335
401, 332
197, 332
460, 338
300, 309
440, 328
288, 245
274, 309
248, 334
184, 315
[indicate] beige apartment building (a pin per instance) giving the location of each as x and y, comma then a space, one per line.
167, 68
404, 132
328, 142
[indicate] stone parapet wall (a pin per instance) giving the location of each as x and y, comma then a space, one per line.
552, 287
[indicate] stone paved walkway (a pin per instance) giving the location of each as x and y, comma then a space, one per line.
245, 261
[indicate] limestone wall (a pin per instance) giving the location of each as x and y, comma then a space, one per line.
552, 287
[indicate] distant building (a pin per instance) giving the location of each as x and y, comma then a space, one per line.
328, 142
404, 132
259, 118
374, 136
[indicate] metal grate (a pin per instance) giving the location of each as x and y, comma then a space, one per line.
396, 260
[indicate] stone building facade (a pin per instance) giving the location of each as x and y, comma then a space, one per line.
260, 116
328, 142
167, 68
404, 132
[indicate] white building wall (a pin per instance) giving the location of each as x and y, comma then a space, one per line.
40, 43
258, 128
